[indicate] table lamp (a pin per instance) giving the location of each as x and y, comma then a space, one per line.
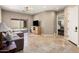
3, 28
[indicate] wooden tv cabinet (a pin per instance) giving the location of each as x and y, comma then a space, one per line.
36, 30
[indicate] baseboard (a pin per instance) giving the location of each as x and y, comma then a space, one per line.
72, 43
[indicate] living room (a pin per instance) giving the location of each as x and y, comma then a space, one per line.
39, 28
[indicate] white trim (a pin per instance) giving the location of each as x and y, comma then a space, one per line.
78, 46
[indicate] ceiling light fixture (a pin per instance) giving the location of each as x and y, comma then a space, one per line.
27, 9
57, 9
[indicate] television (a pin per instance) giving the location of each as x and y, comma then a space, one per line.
36, 23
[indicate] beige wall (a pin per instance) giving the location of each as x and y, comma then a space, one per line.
6, 17
0, 15
66, 21
48, 21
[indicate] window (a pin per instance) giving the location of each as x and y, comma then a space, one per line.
19, 24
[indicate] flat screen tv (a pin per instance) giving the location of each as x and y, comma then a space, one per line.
36, 23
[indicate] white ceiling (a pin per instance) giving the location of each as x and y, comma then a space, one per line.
32, 8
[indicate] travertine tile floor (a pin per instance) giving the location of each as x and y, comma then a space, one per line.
48, 44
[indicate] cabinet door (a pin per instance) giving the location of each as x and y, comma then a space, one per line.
73, 24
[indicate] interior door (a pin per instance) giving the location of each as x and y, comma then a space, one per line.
73, 24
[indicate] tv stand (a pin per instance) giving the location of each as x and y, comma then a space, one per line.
36, 30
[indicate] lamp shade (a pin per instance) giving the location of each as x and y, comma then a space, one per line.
4, 27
